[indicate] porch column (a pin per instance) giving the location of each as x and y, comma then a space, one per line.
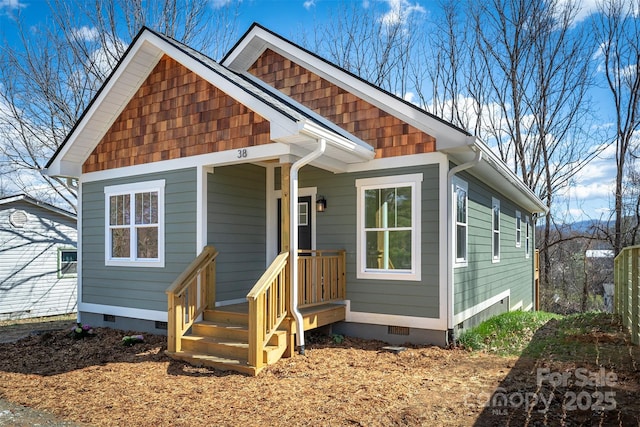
285, 179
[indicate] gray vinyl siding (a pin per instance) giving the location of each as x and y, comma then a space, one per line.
482, 279
30, 285
236, 227
336, 229
138, 287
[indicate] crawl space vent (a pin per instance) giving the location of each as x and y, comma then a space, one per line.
18, 219
397, 330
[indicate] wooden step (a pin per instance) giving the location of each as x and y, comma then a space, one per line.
237, 331
217, 362
224, 347
221, 316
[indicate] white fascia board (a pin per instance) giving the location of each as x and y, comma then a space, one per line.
399, 162
255, 154
318, 132
446, 136
71, 168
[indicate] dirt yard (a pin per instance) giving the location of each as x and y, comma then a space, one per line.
98, 381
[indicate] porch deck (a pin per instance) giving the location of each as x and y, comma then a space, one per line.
314, 317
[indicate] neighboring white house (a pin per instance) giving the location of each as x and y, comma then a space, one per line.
38, 259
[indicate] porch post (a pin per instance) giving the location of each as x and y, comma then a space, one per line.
285, 179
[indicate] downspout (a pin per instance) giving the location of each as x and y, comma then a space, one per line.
450, 258
293, 232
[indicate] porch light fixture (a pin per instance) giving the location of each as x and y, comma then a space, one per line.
321, 204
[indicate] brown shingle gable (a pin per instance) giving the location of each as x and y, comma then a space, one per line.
175, 113
388, 135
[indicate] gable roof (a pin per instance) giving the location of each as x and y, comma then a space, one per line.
289, 122
258, 38
5, 201
458, 144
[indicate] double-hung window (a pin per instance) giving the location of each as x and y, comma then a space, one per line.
495, 235
67, 263
460, 202
389, 227
134, 231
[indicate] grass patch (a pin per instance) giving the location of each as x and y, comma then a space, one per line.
506, 334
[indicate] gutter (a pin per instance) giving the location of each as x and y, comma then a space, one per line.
293, 232
450, 174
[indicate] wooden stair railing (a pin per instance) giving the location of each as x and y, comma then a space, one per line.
268, 307
321, 277
189, 295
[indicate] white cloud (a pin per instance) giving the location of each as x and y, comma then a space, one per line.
308, 4
85, 33
586, 8
399, 12
217, 4
11, 5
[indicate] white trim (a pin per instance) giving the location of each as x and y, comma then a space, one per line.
439, 324
131, 189
415, 182
223, 158
527, 238
517, 306
202, 217
444, 236
457, 182
80, 249
518, 229
133, 313
231, 302
496, 203
421, 159
472, 311
528, 308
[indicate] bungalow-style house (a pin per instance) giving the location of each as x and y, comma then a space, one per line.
38, 263
238, 204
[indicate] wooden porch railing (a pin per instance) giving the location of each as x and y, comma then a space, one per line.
321, 277
189, 295
626, 277
268, 307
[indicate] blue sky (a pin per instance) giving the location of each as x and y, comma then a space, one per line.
591, 195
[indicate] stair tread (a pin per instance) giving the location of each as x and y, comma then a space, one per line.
217, 340
225, 325
213, 358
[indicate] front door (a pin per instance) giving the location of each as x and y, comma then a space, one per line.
304, 223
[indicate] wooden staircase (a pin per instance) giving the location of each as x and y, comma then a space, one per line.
221, 341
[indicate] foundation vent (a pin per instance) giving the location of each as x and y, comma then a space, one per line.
397, 330
108, 318
161, 325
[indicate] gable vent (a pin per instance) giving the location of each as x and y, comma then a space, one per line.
18, 219
397, 330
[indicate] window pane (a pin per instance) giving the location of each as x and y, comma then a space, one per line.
69, 256
496, 245
496, 218
388, 250
371, 206
147, 242
461, 206
119, 207
461, 242
147, 208
403, 206
120, 243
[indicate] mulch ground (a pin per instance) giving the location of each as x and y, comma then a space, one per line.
99, 381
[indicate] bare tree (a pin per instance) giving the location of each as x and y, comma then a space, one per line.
617, 30
49, 77
376, 47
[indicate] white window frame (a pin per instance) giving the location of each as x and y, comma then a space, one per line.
495, 230
131, 189
458, 183
410, 180
518, 229
527, 238
62, 275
